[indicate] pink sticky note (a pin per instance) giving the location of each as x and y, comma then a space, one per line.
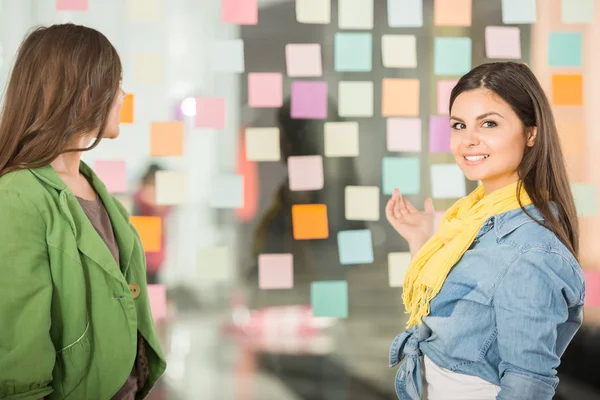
113, 174
303, 60
404, 134
439, 134
72, 5
210, 112
592, 288
309, 100
241, 12
503, 42
275, 271
444, 89
265, 89
437, 218
157, 294
305, 172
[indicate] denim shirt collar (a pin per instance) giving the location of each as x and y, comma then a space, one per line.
507, 222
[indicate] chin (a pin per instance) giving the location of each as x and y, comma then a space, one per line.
111, 135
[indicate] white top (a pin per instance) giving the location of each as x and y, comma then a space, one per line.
443, 384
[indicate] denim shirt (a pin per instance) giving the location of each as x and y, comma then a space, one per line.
506, 312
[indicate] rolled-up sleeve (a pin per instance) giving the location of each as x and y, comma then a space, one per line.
531, 303
27, 354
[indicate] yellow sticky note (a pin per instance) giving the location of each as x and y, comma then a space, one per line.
262, 144
149, 229
215, 264
144, 10
126, 116
397, 266
341, 139
400, 98
166, 138
452, 12
567, 90
149, 68
172, 188
362, 203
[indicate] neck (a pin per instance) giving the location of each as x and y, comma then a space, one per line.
67, 164
490, 186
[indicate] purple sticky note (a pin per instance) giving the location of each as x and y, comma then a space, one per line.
309, 100
305, 172
439, 134
72, 5
404, 134
157, 294
275, 271
444, 89
113, 174
592, 288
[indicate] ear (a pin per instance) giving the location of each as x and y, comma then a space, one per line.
531, 135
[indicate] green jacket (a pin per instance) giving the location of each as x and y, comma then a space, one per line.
68, 319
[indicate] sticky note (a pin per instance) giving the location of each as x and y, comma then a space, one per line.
240, 12
355, 99
439, 134
309, 221
157, 294
313, 11
305, 172
166, 138
567, 90
403, 173
228, 56
400, 98
149, 69
126, 115
447, 181
262, 144
398, 263
452, 55
444, 90
303, 60
565, 49
227, 191
503, 42
172, 188
144, 10
276, 271
210, 112
265, 89
399, 51
437, 219
329, 299
353, 52
362, 203
72, 5
309, 100
405, 13
355, 14
577, 11
403, 134
215, 264
341, 139
586, 199
149, 229
113, 174
592, 288
452, 12
355, 247
518, 11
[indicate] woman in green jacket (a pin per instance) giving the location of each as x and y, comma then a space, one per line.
75, 320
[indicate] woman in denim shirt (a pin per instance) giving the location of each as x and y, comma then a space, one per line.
496, 294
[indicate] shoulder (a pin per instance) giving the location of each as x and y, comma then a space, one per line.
20, 191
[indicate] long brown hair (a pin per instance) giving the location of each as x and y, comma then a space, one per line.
542, 171
62, 86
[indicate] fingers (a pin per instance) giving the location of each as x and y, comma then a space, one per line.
411, 209
429, 206
389, 209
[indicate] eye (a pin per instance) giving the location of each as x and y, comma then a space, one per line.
458, 126
489, 124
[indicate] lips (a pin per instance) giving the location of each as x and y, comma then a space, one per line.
476, 157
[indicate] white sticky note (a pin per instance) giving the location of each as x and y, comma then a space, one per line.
341, 139
503, 42
577, 11
228, 56
305, 172
214, 264
227, 191
362, 203
399, 51
303, 60
144, 10
447, 182
172, 188
313, 11
355, 99
398, 263
405, 13
262, 144
355, 14
149, 69
519, 11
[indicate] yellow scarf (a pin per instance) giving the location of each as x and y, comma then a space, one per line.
459, 227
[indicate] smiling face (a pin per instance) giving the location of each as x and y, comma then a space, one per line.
488, 139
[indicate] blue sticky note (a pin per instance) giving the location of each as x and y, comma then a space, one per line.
577, 11
452, 55
403, 173
353, 52
329, 299
227, 191
355, 247
586, 199
405, 13
518, 11
565, 49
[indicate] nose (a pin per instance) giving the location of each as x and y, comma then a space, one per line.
470, 138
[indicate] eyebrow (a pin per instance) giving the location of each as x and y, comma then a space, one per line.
479, 117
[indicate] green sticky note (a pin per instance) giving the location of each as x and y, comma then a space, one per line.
403, 173
329, 299
353, 52
564, 49
577, 11
452, 55
586, 199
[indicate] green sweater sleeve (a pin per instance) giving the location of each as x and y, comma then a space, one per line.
27, 354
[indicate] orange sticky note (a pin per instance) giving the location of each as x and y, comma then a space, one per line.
309, 221
567, 90
166, 138
127, 110
149, 229
452, 12
572, 136
400, 98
